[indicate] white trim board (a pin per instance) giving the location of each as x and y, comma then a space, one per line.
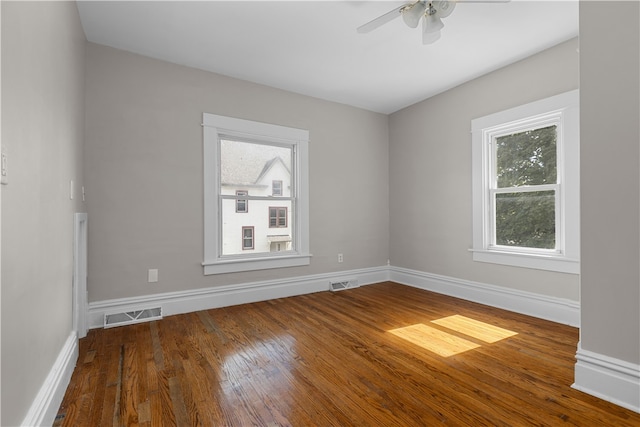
80, 274
223, 296
607, 378
545, 307
558, 310
44, 408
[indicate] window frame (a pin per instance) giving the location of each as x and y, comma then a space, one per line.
563, 111
215, 127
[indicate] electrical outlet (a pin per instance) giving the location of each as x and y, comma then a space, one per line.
152, 276
340, 258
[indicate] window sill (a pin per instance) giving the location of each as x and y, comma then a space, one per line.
265, 263
535, 261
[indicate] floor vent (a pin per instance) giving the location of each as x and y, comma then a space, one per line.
131, 317
343, 284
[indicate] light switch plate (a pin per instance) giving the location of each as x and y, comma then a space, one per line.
4, 179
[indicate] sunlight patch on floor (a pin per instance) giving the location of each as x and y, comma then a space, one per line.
434, 340
446, 344
474, 328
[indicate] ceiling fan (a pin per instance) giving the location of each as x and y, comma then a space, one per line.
430, 12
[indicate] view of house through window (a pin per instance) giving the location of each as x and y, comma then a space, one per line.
256, 196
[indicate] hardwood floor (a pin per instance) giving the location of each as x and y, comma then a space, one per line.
379, 355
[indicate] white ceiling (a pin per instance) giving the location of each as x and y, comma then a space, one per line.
312, 48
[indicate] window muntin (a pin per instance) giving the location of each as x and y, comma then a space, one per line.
526, 185
251, 155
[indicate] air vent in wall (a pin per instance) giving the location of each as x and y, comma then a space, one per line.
131, 317
341, 285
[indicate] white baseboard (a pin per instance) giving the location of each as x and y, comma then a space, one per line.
46, 404
555, 309
541, 306
223, 296
607, 378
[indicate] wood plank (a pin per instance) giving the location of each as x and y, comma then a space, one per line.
332, 359
156, 347
118, 407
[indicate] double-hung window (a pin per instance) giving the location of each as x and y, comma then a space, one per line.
526, 185
242, 206
247, 238
276, 187
265, 165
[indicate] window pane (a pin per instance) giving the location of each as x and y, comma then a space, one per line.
282, 217
241, 206
263, 233
256, 165
527, 158
526, 219
238, 230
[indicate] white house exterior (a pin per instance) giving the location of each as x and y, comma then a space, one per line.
255, 226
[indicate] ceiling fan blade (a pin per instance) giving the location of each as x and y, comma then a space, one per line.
432, 23
430, 38
380, 20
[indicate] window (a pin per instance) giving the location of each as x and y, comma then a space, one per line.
277, 217
247, 238
246, 161
242, 205
276, 188
524, 188
526, 185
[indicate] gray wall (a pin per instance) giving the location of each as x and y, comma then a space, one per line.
430, 172
143, 165
42, 131
610, 199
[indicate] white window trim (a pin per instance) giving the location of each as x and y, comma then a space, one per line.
565, 109
214, 262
